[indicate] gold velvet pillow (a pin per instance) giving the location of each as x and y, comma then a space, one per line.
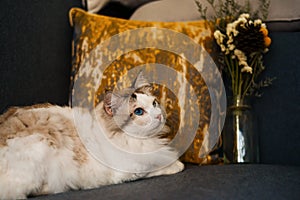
106, 50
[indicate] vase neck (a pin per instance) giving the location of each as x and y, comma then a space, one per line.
238, 102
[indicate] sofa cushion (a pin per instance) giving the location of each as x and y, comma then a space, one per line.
94, 6
283, 15
100, 61
203, 182
277, 111
35, 54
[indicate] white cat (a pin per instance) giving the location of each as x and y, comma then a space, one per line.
42, 153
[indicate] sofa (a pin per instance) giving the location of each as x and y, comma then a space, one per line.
35, 63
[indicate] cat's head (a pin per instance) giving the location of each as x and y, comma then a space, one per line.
135, 110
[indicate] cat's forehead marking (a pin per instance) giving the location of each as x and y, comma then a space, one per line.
144, 99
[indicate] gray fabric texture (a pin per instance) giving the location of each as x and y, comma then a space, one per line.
277, 111
203, 182
35, 53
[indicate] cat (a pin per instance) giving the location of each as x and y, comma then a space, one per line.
41, 151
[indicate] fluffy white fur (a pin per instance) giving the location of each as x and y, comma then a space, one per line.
41, 152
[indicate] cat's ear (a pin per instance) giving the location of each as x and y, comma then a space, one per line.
107, 106
140, 81
112, 101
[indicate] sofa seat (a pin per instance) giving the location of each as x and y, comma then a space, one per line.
239, 181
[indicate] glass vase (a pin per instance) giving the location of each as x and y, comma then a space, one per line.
240, 138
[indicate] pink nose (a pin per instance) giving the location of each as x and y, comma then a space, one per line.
158, 117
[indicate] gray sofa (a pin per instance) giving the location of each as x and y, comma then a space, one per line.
35, 62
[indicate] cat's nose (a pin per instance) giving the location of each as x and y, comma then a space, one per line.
158, 117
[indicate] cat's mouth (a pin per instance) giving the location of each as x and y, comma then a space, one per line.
148, 130
159, 117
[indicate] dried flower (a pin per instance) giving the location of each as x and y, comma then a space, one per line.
242, 41
267, 41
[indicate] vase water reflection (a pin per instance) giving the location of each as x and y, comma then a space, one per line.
240, 138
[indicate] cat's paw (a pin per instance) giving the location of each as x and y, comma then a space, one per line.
174, 168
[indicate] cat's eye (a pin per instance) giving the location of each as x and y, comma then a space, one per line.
154, 103
139, 111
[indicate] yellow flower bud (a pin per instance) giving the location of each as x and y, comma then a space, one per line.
264, 31
267, 41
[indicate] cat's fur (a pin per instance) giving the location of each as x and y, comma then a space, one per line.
41, 152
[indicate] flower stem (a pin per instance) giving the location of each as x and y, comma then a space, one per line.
250, 82
237, 76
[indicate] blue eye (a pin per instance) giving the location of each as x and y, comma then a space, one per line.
139, 111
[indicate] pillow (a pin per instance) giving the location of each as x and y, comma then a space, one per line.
106, 50
94, 6
283, 15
